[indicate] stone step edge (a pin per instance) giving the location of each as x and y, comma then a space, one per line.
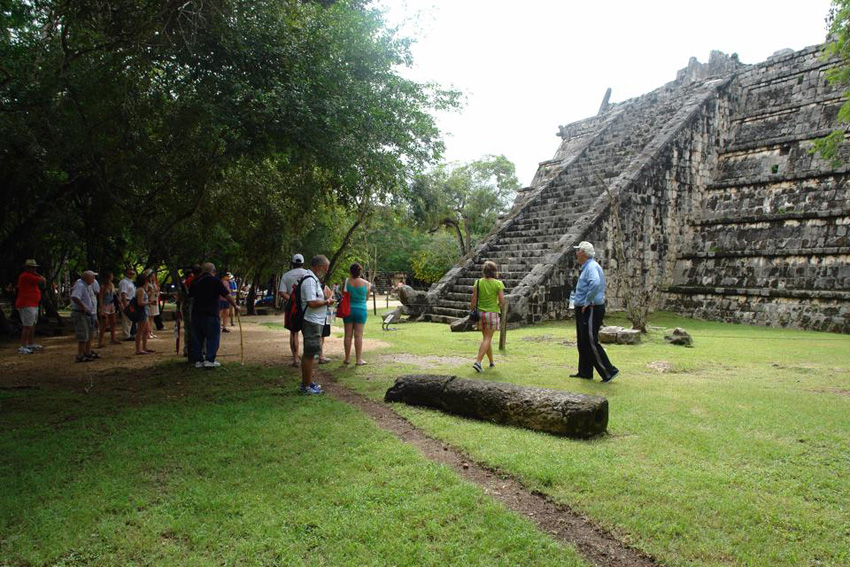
832, 251
775, 217
750, 292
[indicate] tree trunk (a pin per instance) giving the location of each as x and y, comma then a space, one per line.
550, 411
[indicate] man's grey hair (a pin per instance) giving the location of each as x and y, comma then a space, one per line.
319, 260
208, 268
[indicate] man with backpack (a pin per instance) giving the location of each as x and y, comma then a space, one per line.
287, 283
312, 303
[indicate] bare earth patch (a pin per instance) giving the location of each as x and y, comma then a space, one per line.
660, 366
55, 364
425, 361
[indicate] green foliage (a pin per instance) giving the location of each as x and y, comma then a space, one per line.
148, 132
837, 47
437, 255
465, 199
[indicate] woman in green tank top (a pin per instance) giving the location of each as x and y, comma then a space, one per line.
489, 295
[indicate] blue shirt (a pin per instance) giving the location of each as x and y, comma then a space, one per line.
590, 288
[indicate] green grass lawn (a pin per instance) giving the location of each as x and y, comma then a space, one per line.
232, 467
740, 455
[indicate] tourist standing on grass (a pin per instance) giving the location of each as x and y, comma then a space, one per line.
126, 292
287, 283
355, 323
590, 310
224, 304
316, 302
152, 288
83, 316
106, 299
488, 294
27, 301
206, 293
143, 324
234, 293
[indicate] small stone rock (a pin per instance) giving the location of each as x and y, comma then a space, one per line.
661, 366
628, 337
679, 336
608, 335
463, 325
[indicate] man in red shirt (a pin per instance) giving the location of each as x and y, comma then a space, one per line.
26, 302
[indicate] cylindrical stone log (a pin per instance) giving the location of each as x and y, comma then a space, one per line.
551, 411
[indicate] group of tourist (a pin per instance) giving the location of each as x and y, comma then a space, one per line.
488, 301
318, 300
212, 301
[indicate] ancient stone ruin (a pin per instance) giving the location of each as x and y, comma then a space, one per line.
725, 212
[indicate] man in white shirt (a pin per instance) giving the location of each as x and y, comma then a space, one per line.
126, 292
83, 315
287, 282
316, 302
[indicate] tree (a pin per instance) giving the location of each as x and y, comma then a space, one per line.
436, 257
466, 199
127, 128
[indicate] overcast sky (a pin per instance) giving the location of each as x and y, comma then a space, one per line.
528, 67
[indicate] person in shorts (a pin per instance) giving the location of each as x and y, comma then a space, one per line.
488, 294
26, 302
287, 283
316, 300
83, 316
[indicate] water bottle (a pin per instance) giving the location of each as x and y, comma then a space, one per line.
572, 300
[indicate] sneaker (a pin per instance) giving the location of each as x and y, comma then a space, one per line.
477, 367
311, 390
35, 347
611, 376
580, 376
213, 364
24, 350
316, 386
199, 364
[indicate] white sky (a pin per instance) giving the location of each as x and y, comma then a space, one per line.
527, 67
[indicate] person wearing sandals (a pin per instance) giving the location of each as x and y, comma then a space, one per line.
224, 304
355, 323
143, 325
107, 310
488, 294
83, 314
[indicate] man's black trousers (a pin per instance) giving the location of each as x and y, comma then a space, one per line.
590, 353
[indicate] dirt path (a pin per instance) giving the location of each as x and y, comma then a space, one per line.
55, 367
55, 364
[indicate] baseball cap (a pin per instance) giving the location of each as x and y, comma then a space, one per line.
586, 247
90, 272
298, 259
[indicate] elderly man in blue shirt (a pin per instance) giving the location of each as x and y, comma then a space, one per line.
590, 310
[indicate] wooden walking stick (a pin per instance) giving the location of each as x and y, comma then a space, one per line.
503, 332
241, 338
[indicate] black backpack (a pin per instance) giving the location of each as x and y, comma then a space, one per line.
293, 309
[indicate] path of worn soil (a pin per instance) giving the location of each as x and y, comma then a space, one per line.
55, 367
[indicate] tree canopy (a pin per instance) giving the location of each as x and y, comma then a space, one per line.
153, 131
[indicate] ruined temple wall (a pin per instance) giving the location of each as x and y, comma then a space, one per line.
771, 246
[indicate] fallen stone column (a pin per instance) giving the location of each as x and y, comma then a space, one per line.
551, 411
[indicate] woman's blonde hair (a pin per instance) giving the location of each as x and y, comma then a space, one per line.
490, 269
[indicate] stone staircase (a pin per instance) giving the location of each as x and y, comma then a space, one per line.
563, 196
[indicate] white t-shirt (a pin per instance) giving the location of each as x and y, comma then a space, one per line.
82, 291
291, 278
128, 288
311, 290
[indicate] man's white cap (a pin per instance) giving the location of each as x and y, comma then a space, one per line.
298, 259
89, 273
586, 247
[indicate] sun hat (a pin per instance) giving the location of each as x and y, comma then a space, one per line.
586, 247
298, 259
31, 263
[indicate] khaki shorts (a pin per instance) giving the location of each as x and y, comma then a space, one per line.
83, 326
312, 333
29, 316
